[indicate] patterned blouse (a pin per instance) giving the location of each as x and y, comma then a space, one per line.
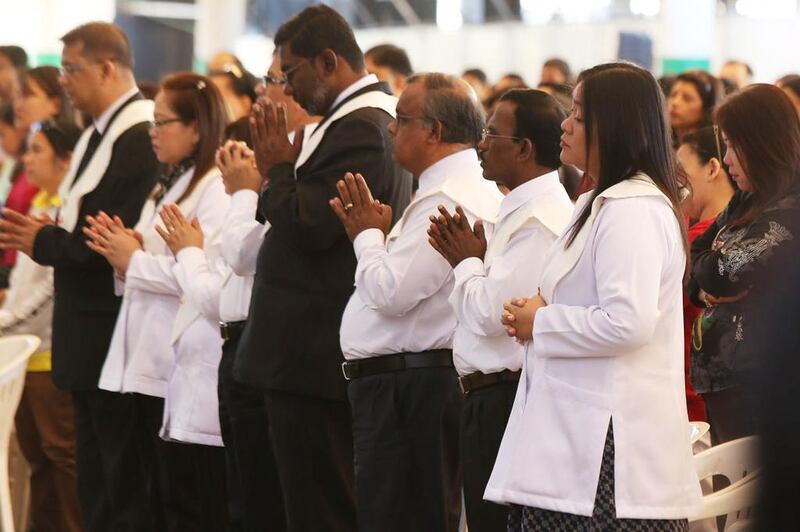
727, 261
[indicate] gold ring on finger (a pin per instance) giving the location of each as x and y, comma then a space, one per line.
348, 207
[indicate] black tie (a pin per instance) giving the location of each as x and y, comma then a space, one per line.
91, 147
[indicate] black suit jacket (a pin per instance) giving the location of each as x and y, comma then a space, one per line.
85, 307
306, 265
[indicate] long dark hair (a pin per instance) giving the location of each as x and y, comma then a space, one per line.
763, 129
624, 109
195, 99
707, 144
46, 78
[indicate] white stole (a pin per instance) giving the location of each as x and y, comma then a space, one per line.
377, 99
134, 113
560, 261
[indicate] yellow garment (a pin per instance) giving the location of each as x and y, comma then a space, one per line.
40, 362
43, 201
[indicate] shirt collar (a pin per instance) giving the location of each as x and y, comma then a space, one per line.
462, 162
527, 192
367, 80
101, 123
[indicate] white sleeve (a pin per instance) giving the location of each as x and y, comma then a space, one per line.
36, 296
242, 234
478, 298
151, 273
629, 259
393, 283
201, 280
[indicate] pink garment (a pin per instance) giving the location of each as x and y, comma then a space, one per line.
19, 199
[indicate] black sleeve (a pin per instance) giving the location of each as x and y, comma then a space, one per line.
128, 181
299, 209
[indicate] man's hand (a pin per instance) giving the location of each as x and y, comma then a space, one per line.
179, 233
711, 301
270, 131
111, 239
238, 166
18, 231
518, 316
356, 208
453, 238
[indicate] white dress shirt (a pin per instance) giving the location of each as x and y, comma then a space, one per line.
102, 121
401, 283
367, 80
531, 218
242, 235
140, 357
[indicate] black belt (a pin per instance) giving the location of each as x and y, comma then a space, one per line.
476, 381
231, 330
437, 358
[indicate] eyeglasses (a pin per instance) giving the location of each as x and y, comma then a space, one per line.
486, 134
288, 74
404, 119
269, 79
161, 123
70, 69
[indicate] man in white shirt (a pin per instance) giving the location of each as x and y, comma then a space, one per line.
520, 149
397, 328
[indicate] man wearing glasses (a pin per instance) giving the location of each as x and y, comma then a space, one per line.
520, 149
290, 344
113, 170
397, 329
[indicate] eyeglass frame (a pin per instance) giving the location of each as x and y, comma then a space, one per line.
287, 74
485, 134
158, 124
70, 69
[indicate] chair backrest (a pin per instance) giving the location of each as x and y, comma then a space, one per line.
14, 354
737, 461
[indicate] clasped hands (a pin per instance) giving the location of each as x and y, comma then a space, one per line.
18, 231
109, 237
357, 209
269, 129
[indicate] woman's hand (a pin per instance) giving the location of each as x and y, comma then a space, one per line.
711, 301
111, 239
519, 314
178, 232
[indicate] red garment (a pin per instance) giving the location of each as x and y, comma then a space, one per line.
697, 409
19, 198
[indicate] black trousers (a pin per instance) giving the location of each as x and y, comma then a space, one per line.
112, 476
731, 414
405, 436
313, 445
483, 422
187, 480
255, 502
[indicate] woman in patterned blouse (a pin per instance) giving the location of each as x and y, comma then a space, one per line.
733, 260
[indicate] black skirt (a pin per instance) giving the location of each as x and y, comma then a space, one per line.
604, 516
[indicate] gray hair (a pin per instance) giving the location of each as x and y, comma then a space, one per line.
453, 103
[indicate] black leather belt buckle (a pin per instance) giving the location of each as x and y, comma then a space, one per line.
231, 330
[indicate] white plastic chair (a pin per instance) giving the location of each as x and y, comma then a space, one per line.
737, 461
14, 354
698, 429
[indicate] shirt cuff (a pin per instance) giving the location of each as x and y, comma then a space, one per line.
244, 199
190, 254
366, 239
469, 267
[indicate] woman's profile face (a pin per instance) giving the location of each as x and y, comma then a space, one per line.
173, 140
735, 166
573, 138
685, 105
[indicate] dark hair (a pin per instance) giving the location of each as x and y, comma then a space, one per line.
561, 65
709, 89
62, 136
707, 143
517, 81
7, 114
459, 112
561, 92
15, 54
538, 118
793, 84
243, 82
624, 109
389, 55
476, 73
195, 99
666, 83
102, 41
239, 130
317, 28
148, 89
46, 77
762, 127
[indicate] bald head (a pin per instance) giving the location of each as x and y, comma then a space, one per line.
452, 102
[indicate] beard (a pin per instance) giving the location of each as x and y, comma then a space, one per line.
317, 102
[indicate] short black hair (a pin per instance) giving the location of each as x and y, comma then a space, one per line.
15, 54
102, 41
62, 136
319, 27
561, 65
538, 116
389, 55
476, 73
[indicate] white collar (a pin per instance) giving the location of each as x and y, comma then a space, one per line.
527, 192
447, 167
369, 79
101, 123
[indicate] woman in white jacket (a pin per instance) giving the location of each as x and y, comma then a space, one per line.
188, 128
598, 438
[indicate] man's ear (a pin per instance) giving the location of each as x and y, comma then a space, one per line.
437, 132
329, 60
527, 150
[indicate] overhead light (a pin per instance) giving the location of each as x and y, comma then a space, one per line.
645, 8
448, 15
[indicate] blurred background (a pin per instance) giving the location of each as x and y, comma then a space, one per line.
498, 36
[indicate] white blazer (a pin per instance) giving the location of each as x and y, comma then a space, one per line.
140, 357
607, 348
